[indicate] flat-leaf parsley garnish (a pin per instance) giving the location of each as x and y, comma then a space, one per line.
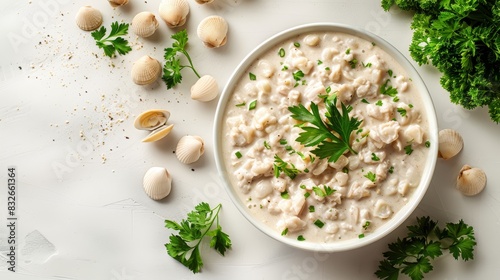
425, 241
185, 246
113, 42
172, 67
331, 138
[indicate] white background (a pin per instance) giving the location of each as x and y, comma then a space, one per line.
66, 115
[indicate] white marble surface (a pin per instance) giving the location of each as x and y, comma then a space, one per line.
66, 116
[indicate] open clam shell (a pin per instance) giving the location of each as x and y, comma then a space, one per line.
151, 119
146, 70
155, 121
157, 183
471, 180
213, 31
174, 12
205, 89
88, 18
189, 149
144, 24
450, 143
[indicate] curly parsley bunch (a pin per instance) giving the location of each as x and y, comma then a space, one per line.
461, 38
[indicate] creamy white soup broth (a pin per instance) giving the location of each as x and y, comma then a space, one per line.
325, 201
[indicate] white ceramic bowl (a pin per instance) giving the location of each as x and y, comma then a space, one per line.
430, 163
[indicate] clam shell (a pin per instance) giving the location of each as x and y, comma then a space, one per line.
174, 12
117, 3
471, 180
204, 1
146, 70
189, 149
213, 31
158, 133
88, 18
157, 183
144, 24
205, 89
450, 143
151, 119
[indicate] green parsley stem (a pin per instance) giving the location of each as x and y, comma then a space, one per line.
218, 207
190, 63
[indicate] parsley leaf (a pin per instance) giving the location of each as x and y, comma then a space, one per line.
326, 191
385, 89
425, 241
113, 42
173, 66
281, 166
184, 247
331, 138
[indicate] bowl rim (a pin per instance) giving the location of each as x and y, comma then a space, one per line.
430, 163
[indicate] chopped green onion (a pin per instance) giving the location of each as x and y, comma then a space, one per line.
238, 154
252, 76
281, 52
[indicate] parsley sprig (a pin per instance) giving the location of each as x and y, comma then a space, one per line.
172, 67
412, 255
185, 247
113, 42
331, 138
282, 166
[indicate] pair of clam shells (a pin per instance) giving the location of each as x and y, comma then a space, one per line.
189, 149
146, 70
144, 24
471, 180
174, 12
88, 18
213, 31
155, 121
157, 183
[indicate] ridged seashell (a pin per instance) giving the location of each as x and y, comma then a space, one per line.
450, 143
213, 31
471, 180
189, 149
117, 3
88, 18
174, 12
157, 183
204, 1
144, 24
155, 121
146, 70
205, 89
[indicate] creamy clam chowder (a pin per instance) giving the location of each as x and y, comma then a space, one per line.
320, 200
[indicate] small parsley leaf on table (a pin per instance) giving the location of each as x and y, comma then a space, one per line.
113, 42
185, 246
331, 137
173, 66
